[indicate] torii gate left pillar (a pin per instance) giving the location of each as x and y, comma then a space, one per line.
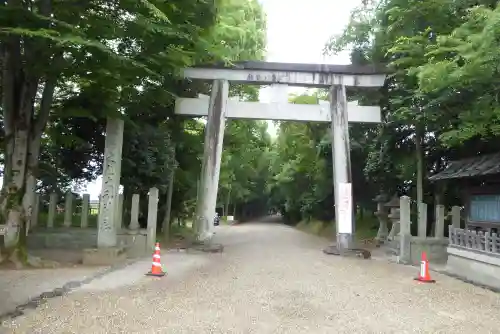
212, 154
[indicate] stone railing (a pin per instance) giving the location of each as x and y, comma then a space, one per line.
474, 256
441, 215
390, 213
68, 210
479, 241
77, 231
400, 240
87, 209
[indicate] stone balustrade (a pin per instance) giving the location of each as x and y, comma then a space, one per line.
408, 248
79, 227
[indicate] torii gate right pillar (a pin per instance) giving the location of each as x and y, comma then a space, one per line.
342, 176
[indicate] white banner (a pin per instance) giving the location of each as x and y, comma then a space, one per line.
344, 219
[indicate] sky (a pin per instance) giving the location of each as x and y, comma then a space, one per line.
297, 31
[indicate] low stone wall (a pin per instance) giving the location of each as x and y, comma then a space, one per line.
62, 238
80, 239
478, 267
435, 249
136, 245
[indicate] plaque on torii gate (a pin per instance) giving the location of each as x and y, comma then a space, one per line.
337, 111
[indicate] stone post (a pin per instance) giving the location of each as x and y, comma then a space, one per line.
35, 212
119, 213
52, 210
344, 217
439, 233
212, 153
422, 220
84, 223
405, 233
106, 228
68, 209
455, 216
405, 215
134, 214
152, 217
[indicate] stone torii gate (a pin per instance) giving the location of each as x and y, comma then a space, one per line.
219, 107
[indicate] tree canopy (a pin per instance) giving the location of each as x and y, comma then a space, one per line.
67, 66
439, 104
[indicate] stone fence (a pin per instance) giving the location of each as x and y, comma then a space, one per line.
478, 241
399, 239
86, 208
474, 256
83, 235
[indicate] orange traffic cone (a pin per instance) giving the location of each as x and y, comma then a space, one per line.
424, 275
156, 269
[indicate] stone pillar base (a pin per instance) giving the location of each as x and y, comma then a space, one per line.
352, 252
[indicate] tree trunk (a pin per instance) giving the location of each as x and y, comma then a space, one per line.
166, 220
419, 154
127, 204
31, 178
18, 95
12, 212
228, 199
23, 130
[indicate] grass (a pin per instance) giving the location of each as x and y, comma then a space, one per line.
184, 231
76, 221
223, 220
366, 228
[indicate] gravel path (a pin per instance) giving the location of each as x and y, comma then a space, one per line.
19, 286
273, 279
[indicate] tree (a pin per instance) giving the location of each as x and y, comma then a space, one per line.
438, 103
48, 47
461, 67
245, 160
302, 174
152, 132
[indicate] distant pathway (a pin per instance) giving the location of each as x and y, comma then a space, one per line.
270, 279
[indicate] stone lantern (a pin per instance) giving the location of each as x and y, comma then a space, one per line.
382, 216
394, 216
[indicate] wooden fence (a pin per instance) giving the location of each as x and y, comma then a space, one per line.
480, 241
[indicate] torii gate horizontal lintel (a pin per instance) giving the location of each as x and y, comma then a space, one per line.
279, 111
305, 75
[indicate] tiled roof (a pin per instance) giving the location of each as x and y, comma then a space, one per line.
482, 165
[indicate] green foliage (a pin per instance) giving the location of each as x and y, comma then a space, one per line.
442, 89
302, 184
86, 62
59, 220
465, 62
244, 171
301, 171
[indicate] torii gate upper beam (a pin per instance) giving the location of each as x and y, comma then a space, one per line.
304, 75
